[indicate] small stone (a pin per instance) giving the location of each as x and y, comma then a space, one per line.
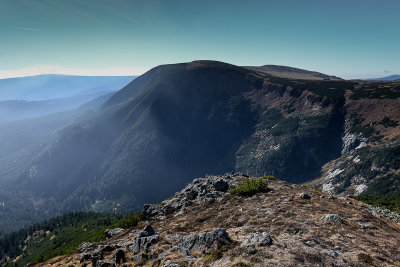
104, 264
305, 196
169, 263
333, 253
365, 224
332, 218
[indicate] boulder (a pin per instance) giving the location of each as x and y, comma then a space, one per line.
119, 256
256, 240
221, 185
207, 240
84, 257
147, 231
112, 232
144, 240
191, 195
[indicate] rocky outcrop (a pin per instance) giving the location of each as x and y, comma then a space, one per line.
144, 240
206, 241
274, 228
200, 191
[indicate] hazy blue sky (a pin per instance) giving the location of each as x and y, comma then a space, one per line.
349, 38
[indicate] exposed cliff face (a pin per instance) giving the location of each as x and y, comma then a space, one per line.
289, 225
369, 162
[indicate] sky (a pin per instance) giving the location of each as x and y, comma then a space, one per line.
347, 38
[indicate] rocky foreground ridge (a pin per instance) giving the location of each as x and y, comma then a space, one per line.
288, 225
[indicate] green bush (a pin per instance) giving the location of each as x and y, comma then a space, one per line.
250, 187
130, 220
391, 202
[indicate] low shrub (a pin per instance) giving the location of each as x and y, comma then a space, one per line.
130, 220
250, 186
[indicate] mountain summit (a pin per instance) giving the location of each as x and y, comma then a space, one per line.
186, 120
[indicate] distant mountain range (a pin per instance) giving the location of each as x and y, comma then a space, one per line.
181, 121
35, 96
53, 86
387, 78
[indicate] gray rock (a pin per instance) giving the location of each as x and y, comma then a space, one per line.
257, 239
145, 239
365, 224
333, 253
305, 196
147, 231
331, 218
84, 246
151, 211
112, 232
84, 257
207, 240
143, 244
221, 185
169, 263
191, 195
104, 264
119, 256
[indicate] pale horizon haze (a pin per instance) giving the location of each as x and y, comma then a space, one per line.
350, 39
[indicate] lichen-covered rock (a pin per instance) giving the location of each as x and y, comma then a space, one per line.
207, 241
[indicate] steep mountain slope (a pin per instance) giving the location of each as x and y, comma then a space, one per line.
181, 121
286, 225
169, 132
